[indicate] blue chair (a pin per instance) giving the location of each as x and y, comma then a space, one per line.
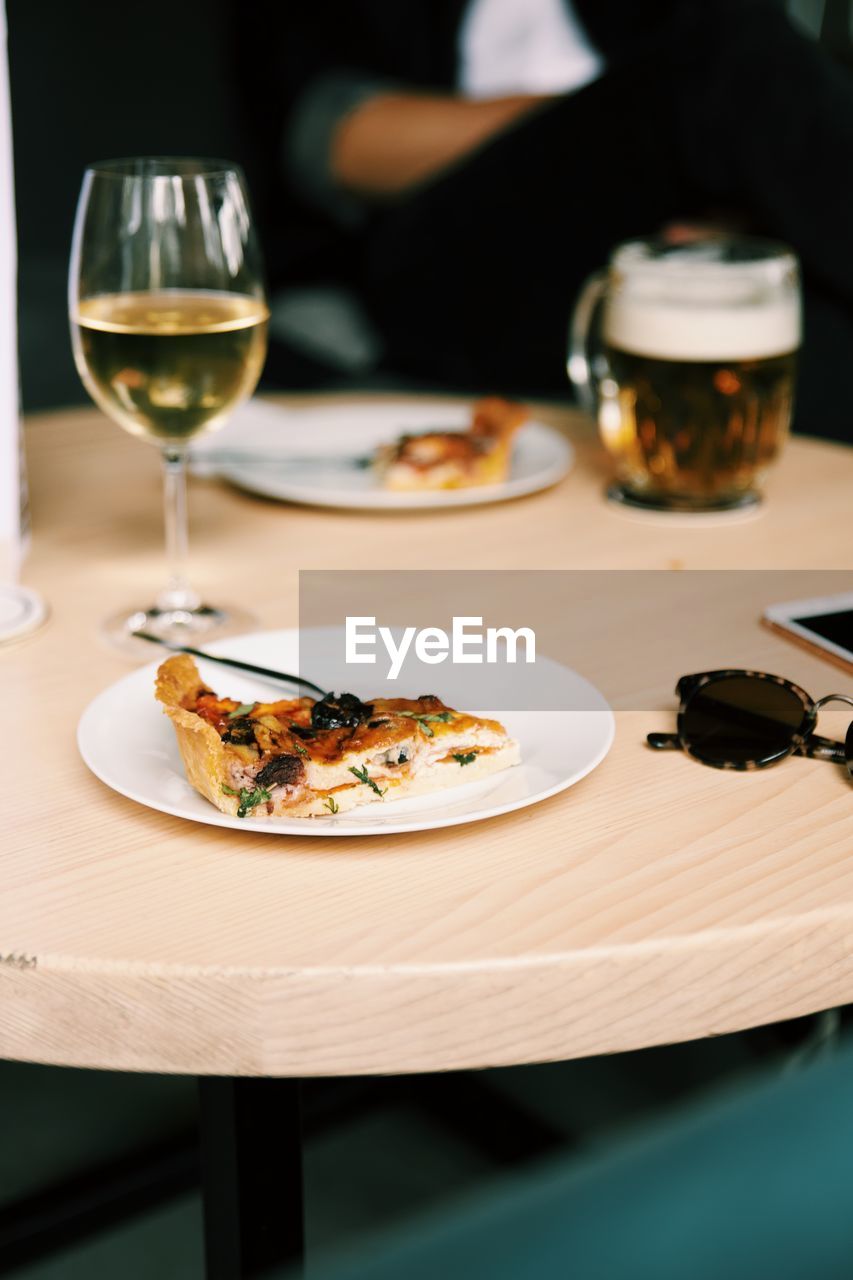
756, 1186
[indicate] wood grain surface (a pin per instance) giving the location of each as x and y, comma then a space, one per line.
655, 901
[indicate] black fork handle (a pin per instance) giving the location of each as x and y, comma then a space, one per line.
280, 677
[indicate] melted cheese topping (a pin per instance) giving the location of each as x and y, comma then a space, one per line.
398, 737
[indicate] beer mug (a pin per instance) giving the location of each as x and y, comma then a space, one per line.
692, 375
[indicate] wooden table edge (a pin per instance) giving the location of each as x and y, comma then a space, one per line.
183, 1020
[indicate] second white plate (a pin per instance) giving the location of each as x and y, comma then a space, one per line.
541, 456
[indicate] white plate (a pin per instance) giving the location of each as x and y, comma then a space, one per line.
541, 456
558, 748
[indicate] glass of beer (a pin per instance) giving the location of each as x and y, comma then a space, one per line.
690, 368
169, 329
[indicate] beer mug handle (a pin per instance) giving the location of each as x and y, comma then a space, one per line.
579, 365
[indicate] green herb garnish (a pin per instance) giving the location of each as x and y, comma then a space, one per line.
362, 776
332, 804
248, 797
424, 720
464, 757
243, 710
300, 748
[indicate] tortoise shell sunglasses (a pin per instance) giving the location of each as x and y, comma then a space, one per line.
748, 720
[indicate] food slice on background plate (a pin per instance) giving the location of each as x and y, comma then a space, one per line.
302, 757
454, 459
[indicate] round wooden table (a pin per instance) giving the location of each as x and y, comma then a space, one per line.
656, 901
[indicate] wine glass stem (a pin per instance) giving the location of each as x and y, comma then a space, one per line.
178, 594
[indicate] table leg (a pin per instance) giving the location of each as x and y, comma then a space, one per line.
251, 1152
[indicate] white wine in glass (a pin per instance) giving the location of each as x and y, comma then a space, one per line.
169, 329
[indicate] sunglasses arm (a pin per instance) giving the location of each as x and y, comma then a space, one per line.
824, 748
664, 741
818, 748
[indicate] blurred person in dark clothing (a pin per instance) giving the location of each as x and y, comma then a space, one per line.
473, 161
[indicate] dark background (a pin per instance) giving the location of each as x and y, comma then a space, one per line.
99, 79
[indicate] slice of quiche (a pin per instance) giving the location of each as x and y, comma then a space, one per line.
455, 459
302, 757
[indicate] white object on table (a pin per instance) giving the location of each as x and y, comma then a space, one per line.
558, 748
20, 610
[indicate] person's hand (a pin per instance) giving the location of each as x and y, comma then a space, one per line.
688, 232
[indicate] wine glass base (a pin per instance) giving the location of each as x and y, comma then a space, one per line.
681, 506
174, 626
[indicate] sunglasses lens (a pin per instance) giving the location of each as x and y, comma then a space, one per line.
740, 719
848, 749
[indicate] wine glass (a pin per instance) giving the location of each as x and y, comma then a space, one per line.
169, 329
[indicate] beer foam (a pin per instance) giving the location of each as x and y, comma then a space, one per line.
723, 298
681, 330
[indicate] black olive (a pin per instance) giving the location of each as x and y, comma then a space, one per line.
332, 712
403, 758
280, 772
240, 732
